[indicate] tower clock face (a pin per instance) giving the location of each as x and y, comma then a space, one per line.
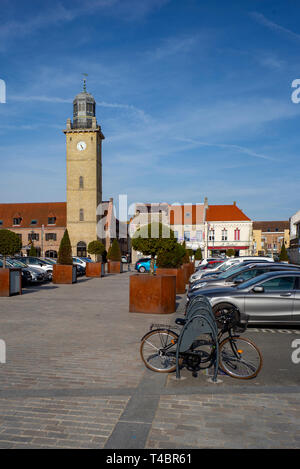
81, 146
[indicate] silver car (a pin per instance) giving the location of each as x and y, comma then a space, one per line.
273, 297
238, 275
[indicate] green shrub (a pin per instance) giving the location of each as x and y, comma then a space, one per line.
96, 247
10, 244
283, 256
32, 251
171, 258
230, 252
114, 252
65, 251
152, 239
198, 255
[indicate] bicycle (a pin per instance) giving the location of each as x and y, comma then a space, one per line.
239, 357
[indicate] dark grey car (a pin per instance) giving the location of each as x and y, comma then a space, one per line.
239, 275
273, 298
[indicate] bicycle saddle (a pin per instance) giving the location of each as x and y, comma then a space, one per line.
180, 321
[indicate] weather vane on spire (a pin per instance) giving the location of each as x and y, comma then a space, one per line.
84, 81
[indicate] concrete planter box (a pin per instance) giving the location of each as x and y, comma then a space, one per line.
152, 294
179, 274
64, 274
10, 282
114, 267
94, 269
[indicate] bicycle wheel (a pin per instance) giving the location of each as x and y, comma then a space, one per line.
158, 350
240, 358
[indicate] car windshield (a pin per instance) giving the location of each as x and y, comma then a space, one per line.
17, 263
232, 271
224, 266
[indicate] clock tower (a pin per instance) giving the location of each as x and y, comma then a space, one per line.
84, 172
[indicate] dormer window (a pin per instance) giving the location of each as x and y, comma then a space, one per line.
51, 220
17, 221
33, 222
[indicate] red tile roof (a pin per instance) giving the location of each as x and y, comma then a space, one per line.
33, 211
225, 213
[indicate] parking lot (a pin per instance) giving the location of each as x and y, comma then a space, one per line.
73, 377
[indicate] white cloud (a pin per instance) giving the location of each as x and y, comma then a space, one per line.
260, 18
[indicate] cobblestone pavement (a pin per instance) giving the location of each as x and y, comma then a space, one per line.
73, 378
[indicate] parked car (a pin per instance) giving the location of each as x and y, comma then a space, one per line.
273, 298
228, 263
80, 270
25, 272
124, 259
142, 259
238, 275
81, 261
39, 264
143, 266
37, 274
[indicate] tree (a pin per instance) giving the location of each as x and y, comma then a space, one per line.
171, 258
114, 252
97, 248
65, 251
198, 255
151, 239
230, 253
32, 251
186, 258
10, 244
283, 256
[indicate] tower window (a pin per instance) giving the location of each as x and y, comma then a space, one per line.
81, 215
80, 182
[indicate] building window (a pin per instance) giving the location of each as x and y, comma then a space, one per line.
211, 235
50, 237
51, 220
199, 235
33, 222
187, 236
80, 182
33, 237
17, 221
224, 235
237, 233
81, 249
1, 222
51, 254
81, 215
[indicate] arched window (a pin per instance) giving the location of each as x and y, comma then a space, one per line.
81, 215
81, 249
80, 182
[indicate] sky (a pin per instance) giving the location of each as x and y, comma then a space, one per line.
193, 97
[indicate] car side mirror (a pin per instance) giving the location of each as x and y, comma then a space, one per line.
238, 281
258, 289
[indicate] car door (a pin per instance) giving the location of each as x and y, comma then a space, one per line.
296, 310
275, 304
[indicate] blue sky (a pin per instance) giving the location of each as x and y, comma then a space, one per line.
194, 99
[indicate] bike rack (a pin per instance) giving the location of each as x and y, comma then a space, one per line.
200, 320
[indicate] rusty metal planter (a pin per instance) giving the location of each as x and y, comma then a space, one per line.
153, 294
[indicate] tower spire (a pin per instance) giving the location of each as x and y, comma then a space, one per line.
84, 81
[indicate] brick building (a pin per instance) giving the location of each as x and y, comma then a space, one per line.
268, 237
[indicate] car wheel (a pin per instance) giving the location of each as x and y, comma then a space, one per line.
142, 270
225, 309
